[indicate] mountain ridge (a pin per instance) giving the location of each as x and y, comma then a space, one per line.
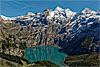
54, 9
58, 27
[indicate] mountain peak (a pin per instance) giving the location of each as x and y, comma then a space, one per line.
46, 10
86, 10
30, 13
68, 9
58, 8
3, 17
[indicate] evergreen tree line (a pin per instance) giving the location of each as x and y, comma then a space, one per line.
13, 58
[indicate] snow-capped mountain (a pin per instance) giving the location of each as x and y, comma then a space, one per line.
84, 19
60, 14
7, 18
53, 27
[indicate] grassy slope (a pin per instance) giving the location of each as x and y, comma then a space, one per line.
78, 46
5, 63
86, 61
80, 51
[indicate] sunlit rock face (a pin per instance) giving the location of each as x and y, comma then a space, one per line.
49, 53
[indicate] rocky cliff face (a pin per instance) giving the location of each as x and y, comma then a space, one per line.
59, 27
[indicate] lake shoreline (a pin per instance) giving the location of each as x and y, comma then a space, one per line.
44, 45
64, 63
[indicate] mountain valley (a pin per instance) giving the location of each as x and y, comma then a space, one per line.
76, 33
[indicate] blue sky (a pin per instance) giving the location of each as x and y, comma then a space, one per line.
13, 8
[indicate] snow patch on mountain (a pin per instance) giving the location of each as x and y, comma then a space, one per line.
7, 18
30, 14
58, 9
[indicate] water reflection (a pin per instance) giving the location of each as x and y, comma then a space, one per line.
49, 53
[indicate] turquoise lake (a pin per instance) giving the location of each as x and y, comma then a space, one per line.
48, 53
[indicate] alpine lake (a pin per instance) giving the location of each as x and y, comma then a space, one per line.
49, 53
